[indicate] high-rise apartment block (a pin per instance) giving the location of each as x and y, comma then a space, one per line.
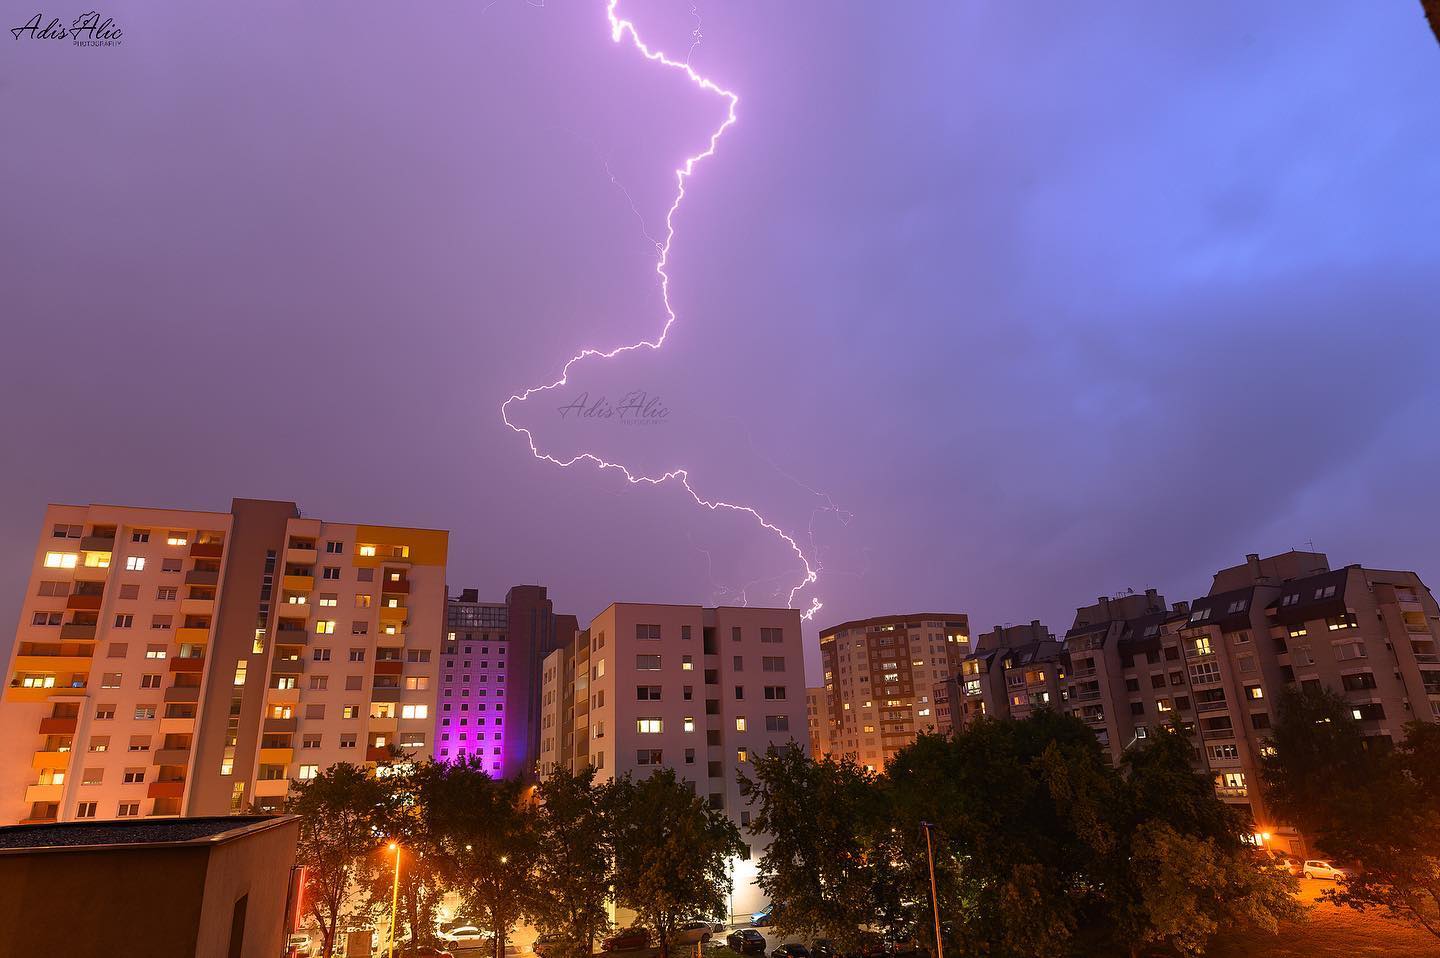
680, 686
1131, 666
490, 701
880, 676
1013, 670
191, 663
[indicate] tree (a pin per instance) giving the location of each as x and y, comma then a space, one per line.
1365, 802
827, 868
344, 815
482, 832
422, 881
1185, 871
574, 860
1020, 809
671, 853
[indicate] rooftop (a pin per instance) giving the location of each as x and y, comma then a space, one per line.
158, 831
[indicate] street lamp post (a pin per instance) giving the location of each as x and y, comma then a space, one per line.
394, 897
934, 896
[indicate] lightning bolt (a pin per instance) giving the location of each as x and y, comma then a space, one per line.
620, 29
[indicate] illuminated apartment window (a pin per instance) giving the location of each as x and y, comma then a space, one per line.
414, 711
227, 765
135, 563
689, 723
308, 772
740, 724
61, 560
258, 645
240, 668
178, 539
367, 551
327, 599
97, 560
325, 627
649, 726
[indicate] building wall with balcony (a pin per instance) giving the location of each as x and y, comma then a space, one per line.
109, 653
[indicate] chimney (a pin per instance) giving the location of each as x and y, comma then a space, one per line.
1253, 561
1180, 608
1152, 599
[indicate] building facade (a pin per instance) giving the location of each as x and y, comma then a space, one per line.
191, 663
697, 690
880, 675
1012, 671
817, 721
489, 700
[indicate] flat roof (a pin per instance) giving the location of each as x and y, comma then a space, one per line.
126, 833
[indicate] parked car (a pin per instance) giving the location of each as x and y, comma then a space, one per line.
690, 933
763, 918
544, 943
423, 951
825, 948
872, 946
1316, 868
791, 951
298, 946
1285, 863
746, 941
463, 935
627, 939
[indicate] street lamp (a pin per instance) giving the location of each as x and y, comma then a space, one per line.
394, 897
934, 896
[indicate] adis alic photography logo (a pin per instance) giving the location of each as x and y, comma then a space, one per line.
87, 30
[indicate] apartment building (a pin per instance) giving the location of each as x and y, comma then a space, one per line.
1012, 671
170, 662
694, 689
880, 675
817, 721
490, 701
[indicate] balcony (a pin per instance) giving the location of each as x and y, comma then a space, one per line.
59, 726
276, 756
177, 725
386, 640
298, 583
55, 760
171, 756
272, 788
44, 793
383, 723
91, 573
76, 632
282, 696
84, 601
204, 607
1211, 706
187, 664
380, 754
394, 614
53, 663
396, 588
301, 556
202, 577
287, 666
97, 544
291, 636
192, 635
389, 667
182, 693
166, 789
384, 695
278, 725
207, 550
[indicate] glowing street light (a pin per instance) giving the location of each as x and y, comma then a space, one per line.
394, 897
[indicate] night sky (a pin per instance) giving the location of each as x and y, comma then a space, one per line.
1054, 300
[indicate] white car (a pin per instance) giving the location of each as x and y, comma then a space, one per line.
691, 933
298, 946
463, 935
1314, 868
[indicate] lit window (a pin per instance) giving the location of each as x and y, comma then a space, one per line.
649, 726
178, 539
689, 723
61, 560
240, 668
308, 772
414, 711
740, 724
135, 563
367, 550
325, 627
